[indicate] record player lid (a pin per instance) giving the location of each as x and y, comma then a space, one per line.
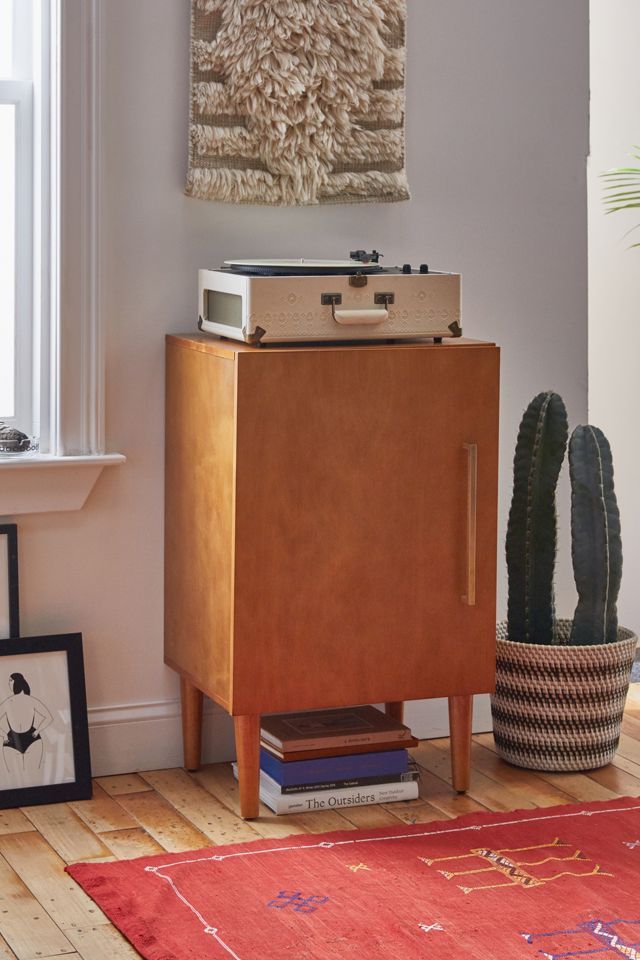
301, 267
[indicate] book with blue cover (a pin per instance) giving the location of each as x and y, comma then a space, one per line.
333, 769
376, 780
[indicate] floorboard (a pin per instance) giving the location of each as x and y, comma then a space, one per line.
45, 916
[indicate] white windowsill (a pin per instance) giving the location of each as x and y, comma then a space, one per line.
45, 483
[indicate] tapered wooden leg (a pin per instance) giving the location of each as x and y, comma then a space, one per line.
460, 714
395, 710
191, 700
247, 731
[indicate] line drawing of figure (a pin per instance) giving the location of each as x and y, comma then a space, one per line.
22, 719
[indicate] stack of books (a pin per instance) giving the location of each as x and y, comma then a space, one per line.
333, 759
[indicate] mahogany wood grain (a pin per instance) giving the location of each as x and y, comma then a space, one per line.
199, 518
247, 730
395, 710
192, 701
231, 349
351, 526
460, 715
469, 595
317, 517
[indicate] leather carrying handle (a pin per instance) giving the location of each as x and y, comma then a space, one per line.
472, 522
357, 318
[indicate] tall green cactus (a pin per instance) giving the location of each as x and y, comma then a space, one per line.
531, 532
596, 547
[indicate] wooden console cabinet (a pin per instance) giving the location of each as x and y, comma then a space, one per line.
330, 531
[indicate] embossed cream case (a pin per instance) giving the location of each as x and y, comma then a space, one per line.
305, 300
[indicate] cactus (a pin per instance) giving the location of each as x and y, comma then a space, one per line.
531, 532
595, 537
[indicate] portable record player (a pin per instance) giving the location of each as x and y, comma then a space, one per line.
279, 301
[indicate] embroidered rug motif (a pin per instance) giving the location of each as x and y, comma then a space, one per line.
556, 883
297, 102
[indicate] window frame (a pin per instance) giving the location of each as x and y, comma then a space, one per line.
59, 347
76, 417
17, 90
68, 337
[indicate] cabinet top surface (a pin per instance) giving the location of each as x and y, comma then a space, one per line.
231, 349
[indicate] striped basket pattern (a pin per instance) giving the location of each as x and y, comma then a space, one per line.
560, 707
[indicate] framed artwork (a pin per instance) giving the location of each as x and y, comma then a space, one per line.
272, 151
9, 606
43, 721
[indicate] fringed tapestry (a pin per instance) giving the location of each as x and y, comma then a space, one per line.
297, 102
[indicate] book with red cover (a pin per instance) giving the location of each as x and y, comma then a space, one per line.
288, 756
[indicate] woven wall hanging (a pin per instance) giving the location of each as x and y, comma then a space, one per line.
297, 102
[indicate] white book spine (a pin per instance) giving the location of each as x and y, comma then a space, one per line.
333, 799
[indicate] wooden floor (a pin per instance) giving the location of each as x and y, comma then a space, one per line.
43, 914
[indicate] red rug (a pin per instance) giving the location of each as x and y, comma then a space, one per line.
558, 882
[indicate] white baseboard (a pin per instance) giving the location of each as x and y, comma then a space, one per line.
429, 719
148, 736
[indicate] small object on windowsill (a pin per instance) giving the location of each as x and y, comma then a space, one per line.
15, 443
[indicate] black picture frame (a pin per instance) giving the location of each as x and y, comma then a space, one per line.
60, 681
10, 596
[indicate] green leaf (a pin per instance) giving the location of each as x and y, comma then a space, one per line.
623, 195
624, 206
622, 188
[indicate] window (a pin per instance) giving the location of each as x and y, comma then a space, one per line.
17, 226
51, 360
51, 344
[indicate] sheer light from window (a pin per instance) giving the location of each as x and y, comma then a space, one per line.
7, 259
6, 37
19, 20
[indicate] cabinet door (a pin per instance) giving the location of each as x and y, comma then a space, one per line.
353, 512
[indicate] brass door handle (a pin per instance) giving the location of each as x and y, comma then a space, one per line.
472, 521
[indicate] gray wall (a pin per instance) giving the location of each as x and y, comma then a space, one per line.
614, 271
497, 131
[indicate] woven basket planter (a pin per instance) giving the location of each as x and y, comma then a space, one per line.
560, 707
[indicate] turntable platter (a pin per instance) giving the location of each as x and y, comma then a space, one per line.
301, 267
